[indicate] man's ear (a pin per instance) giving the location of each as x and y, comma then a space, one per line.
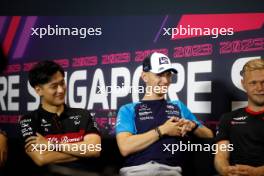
144, 77
243, 84
38, 90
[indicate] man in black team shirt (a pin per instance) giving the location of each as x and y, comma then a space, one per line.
244, 128
144, 128
56, 133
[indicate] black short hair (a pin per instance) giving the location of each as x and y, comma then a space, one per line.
42, 72
146, 64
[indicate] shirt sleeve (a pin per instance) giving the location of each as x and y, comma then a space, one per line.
91, 126
223, 131
27, 127
187, 114
126, 120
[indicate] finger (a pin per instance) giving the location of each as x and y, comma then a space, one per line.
183, 134
178, 130
28, 147
1, 158
188, 122
182, 122
193, 124
38, 134
242, 172
183, 130
30, 143
189, 128
177, 118
30, 138
243, 167
230, 169
5, 155
173, 119
230, 174
2, 163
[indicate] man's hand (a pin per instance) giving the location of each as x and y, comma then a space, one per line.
3, 150
176, 127
249, 170
230, 171
36, 142
242, 170
187, 126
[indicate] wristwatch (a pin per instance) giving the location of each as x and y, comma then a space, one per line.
196, 126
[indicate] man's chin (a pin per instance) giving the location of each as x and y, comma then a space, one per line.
258, 102
59, 103
160, 94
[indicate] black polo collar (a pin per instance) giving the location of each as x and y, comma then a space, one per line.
46, 113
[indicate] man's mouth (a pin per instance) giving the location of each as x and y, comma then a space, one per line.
259, 94
60, 96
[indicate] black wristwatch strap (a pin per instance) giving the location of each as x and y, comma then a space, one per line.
158, 131
196, 126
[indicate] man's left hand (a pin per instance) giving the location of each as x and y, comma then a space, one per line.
187, 126
36, 142
246, 170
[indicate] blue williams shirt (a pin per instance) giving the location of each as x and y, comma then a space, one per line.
140, 117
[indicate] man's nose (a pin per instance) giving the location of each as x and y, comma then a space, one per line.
60, 89
260, 86
165, 79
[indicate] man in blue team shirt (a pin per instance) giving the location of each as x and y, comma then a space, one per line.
144, 128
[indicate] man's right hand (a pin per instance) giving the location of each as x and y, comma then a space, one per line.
241, 170
175, 127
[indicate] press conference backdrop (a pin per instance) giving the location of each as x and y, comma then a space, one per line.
102, 58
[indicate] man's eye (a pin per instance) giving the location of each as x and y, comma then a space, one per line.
62, 83
54, 86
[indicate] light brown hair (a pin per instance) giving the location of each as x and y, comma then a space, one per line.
255, 64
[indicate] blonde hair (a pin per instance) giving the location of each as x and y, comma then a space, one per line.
255, 64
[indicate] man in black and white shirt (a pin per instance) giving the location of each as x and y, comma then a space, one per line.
244, 128
56, 133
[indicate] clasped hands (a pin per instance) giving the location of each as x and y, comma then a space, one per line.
176, 126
